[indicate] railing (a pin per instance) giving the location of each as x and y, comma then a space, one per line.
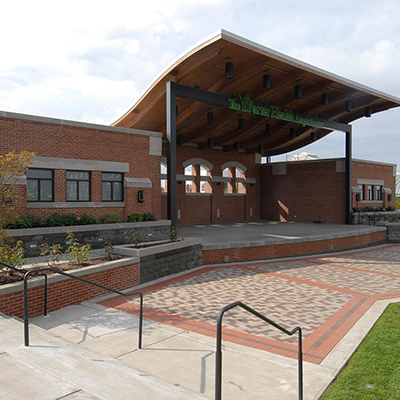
218, 360
39, 272
370, 217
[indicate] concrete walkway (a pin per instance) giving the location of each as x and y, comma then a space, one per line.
335, 298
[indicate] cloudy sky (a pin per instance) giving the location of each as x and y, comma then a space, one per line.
90, 60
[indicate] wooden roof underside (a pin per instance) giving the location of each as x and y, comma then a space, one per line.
205, 66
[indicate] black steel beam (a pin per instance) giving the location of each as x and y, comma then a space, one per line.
348, 180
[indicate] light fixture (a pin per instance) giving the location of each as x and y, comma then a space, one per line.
368, 111
241, 123
325, 99
179, 139
177, 110
228, 68
268, 129
210, 143
236, 146
266, 81
313, 136
348, 105
260, 149
298, 91
292, 133
210, 118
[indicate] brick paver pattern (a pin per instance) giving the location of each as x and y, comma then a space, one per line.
324, 295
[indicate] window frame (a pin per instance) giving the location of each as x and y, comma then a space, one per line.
370, 192
112, 187
39, 184
77, 186
379, 192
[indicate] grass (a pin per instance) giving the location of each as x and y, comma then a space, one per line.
373, 372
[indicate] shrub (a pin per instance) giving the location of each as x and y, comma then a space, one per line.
51, 253
110, 219
379, 209
26, 222
135, 217
9, 253
86, 219
61, 220
368, 209
390, 208
79, 252
149, 217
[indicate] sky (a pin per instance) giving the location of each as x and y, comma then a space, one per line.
91, 60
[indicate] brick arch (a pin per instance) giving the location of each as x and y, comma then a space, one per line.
201, 161
234, 164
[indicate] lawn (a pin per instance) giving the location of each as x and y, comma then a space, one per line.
373, 372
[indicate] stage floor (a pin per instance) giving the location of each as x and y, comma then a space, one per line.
239, 234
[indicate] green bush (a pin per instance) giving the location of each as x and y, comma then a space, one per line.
149, 217
390, 208
79, 252
26, 222
110, 219
9, 253
86, 219
61, 220
135, 217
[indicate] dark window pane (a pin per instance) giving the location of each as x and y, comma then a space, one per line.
32, 190
72, 194
84, 191
106, 191
78, 175
106, 176
46, 190
39, 174
117, 191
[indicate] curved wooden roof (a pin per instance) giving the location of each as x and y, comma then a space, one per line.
204, 66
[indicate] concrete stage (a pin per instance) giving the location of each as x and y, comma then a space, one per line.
244, 241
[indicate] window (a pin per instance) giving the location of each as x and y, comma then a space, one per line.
370, 192
164, 185
189, 185
112, 187
362, 193
40, 185
379, 191
78, 186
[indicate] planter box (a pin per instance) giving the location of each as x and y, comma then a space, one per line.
96, 235
163, 259
63, 291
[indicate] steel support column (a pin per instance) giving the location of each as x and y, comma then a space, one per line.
172, 206
348, 180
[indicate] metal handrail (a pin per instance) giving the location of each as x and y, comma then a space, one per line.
370, 218
39, 271
218, 360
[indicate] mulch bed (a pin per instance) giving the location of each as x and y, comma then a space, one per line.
10, 276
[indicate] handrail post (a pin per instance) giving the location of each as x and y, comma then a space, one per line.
218, 361
45, 295
141, 321
26, 311
300, 362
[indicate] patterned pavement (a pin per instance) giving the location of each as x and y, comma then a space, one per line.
324, 295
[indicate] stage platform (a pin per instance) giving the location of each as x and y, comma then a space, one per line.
245, 241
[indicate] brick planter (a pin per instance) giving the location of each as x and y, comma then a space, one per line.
63, 291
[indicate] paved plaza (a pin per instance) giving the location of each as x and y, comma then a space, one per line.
325, 295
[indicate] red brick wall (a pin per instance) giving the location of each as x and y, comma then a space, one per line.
70, 291
52, 140
291, 249
313, 190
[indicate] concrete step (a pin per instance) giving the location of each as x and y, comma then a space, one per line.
80, 372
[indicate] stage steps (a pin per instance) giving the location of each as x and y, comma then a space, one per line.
54, 368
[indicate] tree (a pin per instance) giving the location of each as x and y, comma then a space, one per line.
12, 167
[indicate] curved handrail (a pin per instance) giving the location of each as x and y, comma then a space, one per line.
40, 271
218, 360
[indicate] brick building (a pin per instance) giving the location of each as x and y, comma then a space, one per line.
214, 140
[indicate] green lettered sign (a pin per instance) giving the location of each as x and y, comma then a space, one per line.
246, 105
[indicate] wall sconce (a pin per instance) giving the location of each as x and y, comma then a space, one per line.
260, 149
228, 68
241, 123
313, 136
368, 112
179, 139
389, 197
210, 143
292, 133
268, 129
177, 110
141, 196
358, 197
236, 146
325, 99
